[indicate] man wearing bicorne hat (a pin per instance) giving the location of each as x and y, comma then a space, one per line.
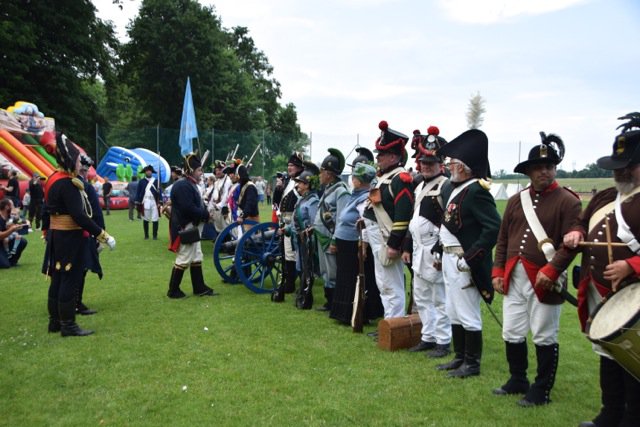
188, 212
468, 234
428, 285
530, 241
290, 197
149, 197
332, 201
387, 218
248, 197
613, 214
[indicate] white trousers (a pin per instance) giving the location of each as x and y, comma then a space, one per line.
521, 312
431, 302
463, 298
190, 252
390, 279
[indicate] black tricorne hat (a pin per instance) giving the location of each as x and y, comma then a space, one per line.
390, 141
364, 156
149, 168
297, 159
309, 175
177, 170
472, 148
626, 145
66, 153
551, 150
334, 162
428, 146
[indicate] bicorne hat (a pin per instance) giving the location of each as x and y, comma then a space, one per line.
472, 148
149, 168
297, 159
390, 141
551, 150
626, 146
66, 153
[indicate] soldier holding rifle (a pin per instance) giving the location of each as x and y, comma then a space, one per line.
532, 228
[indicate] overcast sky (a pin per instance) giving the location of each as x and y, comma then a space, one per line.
569, 67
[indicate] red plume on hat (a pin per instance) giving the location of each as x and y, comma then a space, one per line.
390, 140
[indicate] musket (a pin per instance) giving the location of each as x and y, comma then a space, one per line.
304, 299
252, 156
357, 316
232, 154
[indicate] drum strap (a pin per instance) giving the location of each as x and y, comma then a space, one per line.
624, 232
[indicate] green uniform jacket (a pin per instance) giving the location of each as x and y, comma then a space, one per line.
473, 218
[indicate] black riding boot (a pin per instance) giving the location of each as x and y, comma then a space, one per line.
54, 315
328, 294
145, 227
458, 338
613, 396
197, 282
290, 282
68, 325
80, 307
155, 230
174, 283
518, 364
538, 394
472, 355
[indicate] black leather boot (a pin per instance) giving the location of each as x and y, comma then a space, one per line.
197, 282
68, 325
145, 227
328, 294
613, 395
290, 282
472, 355
54, 316
458, 338
538, 394
174, 283
518, 364
155, 230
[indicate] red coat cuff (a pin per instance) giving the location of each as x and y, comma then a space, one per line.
497, 272
634, 262
549, 271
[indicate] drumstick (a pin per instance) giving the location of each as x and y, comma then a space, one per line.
613, 244
609, 244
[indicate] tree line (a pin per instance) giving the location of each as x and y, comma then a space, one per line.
62, 57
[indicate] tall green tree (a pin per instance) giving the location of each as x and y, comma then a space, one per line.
53, 54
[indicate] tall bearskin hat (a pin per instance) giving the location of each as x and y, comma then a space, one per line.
309, 175
297, 158
551, 150
429, 145
472, 148
66, 153
390, 141
626, 146
334, 162
191, 163
364, 156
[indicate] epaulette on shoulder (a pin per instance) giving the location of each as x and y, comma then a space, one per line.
572, 192
406, 177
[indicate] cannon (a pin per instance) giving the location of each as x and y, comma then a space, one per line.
250, 256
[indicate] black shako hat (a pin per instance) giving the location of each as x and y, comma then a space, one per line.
472, 148
364, 156
66, 153
626, 145
551, 150
334, 162
390, 141
307, 175
428, 145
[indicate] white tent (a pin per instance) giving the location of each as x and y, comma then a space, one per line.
499, 192
513, 189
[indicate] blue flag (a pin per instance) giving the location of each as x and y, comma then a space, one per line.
188, 128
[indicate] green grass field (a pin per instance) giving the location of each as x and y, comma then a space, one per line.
238, 359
